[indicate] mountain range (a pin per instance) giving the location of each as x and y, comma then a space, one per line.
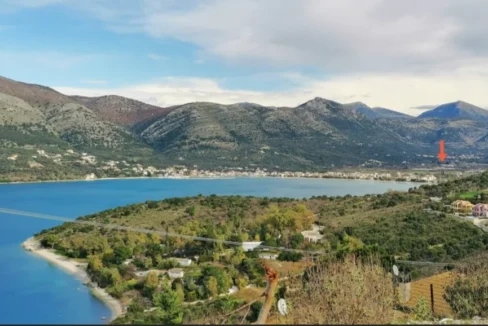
315, 135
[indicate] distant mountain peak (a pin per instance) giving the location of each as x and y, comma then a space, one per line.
457, 110
358, 103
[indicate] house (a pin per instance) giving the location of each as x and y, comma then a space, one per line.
271, 256
462, 206
176, 273
183, 261
249, 246
90, 176
233, 289
435, 199
314, 235
480, 210
13, 157
128, 261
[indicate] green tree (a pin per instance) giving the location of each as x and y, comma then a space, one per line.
121, 254
296, 240
211, 286
151, 283
170, 303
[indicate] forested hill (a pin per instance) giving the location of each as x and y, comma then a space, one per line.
316, 135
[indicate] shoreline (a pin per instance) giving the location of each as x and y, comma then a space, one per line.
202, 178
72, 267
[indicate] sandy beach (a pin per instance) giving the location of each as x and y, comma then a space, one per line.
77, 270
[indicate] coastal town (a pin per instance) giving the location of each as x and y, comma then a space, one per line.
184, 172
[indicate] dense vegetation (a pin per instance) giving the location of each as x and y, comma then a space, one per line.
132, 265
468, 296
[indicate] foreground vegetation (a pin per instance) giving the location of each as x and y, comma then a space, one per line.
393, 226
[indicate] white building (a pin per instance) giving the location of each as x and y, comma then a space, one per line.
176, 273
268, 256
183, 261
13, 157
90, 176
249, 246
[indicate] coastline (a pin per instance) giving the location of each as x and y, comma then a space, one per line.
70, 266
205, 178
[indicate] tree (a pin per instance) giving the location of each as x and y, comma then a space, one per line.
223, 280
241, 282
51, 240
121, 254
289, 256
296, 240
211, 286
170, 303
180, 291
148, 262
94, 264
136, 306
114, 276
151, 283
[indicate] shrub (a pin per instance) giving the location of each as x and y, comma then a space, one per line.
422, 310
342, 292
468, 297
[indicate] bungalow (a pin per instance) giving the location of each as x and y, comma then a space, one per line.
312, 236
268, 256
249, 246
183, 261
462, 206
176, 273
480, 210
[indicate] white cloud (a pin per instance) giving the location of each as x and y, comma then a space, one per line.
396, 54
338, 36
157, 57
396, 91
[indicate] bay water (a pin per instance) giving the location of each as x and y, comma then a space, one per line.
35, 291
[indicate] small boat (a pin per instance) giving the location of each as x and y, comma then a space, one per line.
103, 317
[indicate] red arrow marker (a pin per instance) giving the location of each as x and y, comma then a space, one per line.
442, 155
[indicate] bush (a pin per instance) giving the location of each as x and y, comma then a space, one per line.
342, 292
289, 256
468, 297
422, 310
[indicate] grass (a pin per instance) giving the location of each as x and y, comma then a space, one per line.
343, 292
472, 195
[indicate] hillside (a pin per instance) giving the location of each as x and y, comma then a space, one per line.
456, 110
390, 114
319, 134
376, 113
405, 225
121, 110
71, 120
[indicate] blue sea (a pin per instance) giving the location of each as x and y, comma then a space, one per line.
34, 291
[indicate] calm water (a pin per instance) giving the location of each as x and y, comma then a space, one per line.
34, 291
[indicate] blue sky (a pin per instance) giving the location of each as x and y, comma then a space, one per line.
270, 52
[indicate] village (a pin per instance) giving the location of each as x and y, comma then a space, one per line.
103, 168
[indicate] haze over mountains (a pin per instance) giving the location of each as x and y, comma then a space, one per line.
317, 134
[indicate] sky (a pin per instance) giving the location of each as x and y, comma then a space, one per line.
403, 55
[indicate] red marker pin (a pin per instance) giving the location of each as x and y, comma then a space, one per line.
442, 154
